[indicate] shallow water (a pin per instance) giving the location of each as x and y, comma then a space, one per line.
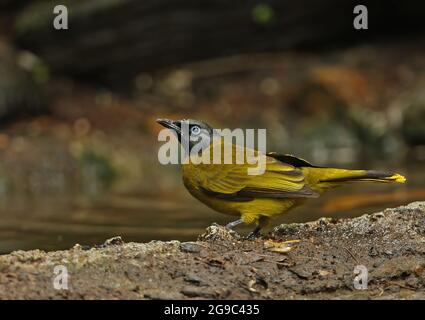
60, 222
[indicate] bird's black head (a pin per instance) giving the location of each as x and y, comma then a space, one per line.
190, 131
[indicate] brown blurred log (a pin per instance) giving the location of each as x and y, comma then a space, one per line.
110, 41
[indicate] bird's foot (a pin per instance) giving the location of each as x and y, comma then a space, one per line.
233, 224
255, 234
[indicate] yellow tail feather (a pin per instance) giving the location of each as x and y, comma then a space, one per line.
398, 178
324, 178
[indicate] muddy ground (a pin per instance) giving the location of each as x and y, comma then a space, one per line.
222, 265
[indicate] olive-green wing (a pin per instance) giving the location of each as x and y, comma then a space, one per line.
232, 181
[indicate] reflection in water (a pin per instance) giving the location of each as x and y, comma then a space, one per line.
58, 222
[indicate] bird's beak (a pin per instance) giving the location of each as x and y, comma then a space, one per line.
171, 124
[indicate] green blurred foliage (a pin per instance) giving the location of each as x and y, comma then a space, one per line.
263, 14
97, 173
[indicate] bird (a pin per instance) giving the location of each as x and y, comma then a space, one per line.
287, 182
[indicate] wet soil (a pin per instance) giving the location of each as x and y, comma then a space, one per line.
223, 265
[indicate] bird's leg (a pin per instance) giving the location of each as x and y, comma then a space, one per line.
262, 222
233, 224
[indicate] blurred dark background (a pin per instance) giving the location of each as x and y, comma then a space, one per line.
78, 138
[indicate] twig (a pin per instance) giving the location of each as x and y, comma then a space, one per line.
352, 255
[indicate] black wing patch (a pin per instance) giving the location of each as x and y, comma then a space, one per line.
292, 160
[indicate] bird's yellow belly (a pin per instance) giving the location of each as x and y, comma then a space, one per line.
249, 211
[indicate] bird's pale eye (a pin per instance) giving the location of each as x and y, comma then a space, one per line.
195, 130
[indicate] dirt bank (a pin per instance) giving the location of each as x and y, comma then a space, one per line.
391, 244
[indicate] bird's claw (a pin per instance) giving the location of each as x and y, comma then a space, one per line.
254, 235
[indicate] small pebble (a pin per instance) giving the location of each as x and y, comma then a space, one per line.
113, 241
190, 247
193, 278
